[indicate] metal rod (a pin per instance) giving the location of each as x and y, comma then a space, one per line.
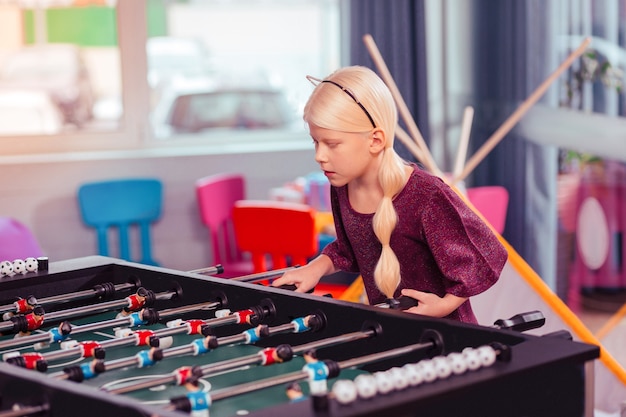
210, 270
79, 295
260, 276
100, 307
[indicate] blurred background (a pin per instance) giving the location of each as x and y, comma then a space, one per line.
182, 89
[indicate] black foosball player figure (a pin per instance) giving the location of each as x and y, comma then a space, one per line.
318, 374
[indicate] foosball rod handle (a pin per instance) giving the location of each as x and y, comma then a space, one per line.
211, 270
522, 322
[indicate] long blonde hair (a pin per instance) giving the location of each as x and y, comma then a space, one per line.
362, 95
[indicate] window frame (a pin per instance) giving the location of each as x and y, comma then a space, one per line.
133, 137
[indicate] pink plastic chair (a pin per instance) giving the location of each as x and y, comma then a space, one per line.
492, 202
17, 241
216, 196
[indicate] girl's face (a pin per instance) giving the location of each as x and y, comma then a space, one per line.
343, 156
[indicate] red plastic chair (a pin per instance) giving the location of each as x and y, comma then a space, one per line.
492, 202
216, 196
279, 231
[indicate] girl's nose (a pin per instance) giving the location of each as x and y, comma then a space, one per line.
319, 155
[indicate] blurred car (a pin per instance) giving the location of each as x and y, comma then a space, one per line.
28, 112
58, 69
204, 105
171, 57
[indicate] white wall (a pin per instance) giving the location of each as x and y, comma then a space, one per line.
42, 195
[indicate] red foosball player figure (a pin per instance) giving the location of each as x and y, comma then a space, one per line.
279, 354
25, 324
22, 306
142, 298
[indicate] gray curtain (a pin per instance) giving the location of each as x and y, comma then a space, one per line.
398, 29
512, 47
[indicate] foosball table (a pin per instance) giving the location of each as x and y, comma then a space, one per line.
102, 337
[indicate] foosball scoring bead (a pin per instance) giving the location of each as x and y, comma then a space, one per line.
6, 268
31, 264
384, 383
398, 377
442, 367
458, 365
429, 373
487, 355
413, 373
19, 266
366, 386
471, 358
345, 391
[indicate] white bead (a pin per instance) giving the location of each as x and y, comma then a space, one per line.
457, 363
428, 370
442, 367
345, 391
366, 385
384, 384
6, 268
471, 358
31, 264
19, 266
399, 378
487, 355
414, 374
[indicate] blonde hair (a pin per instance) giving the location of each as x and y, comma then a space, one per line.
361, 95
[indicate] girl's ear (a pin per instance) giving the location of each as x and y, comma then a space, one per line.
378, 141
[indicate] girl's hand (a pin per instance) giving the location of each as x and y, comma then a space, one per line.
431, 304
306, 277
300, 277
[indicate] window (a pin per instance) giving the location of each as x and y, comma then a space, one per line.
119, 75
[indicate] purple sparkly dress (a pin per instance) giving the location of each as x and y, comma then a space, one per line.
442, 245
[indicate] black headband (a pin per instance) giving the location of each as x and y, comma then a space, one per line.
348, 92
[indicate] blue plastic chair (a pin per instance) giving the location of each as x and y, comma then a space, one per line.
120, 204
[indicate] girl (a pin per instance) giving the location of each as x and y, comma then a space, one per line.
404, 230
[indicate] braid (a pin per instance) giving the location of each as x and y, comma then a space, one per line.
391, 177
